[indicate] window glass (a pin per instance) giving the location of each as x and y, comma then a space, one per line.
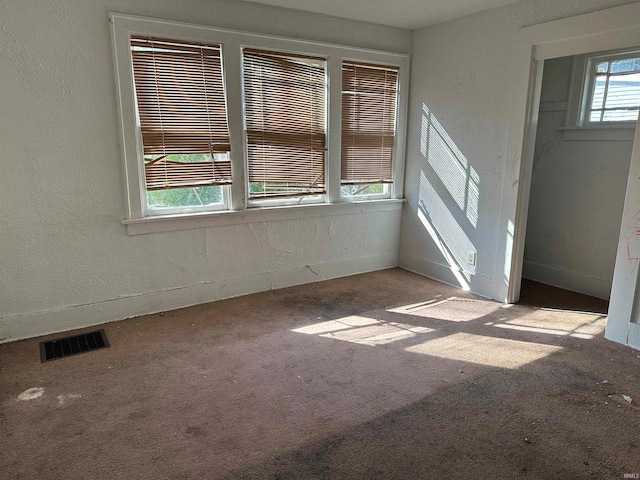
615, 91
192, 196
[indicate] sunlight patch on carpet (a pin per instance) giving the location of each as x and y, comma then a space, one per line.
367, 331
489, 351
453, 309
556, 322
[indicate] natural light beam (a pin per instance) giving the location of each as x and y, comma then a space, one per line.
363, 331
546, 331
379, 334
557, 322
444, 229
453, 168
452, 309
334, 325
453, 265
508, 251
481, 350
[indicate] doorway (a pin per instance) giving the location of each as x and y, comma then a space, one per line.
579, 174
615, 28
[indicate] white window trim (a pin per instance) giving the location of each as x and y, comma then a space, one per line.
124, 26
576, 127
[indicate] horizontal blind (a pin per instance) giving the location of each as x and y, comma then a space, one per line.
182, 111
285, 98
369, 104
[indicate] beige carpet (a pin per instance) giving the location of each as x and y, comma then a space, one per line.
385, 375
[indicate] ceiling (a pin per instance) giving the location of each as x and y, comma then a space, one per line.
410, 14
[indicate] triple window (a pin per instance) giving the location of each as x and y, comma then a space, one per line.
230, 121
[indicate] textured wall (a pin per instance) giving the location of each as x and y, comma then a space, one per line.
577, 195
61, 174
458, 125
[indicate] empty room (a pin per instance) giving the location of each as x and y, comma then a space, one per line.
317, 240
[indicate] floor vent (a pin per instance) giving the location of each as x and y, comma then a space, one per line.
65, 347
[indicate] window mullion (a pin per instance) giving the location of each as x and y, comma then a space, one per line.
397, 188
605, 93
232, 58
334, 128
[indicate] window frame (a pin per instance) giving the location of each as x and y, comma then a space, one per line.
232, 42
389, 189
293, 200
581, 90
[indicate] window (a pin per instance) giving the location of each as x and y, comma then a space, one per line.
611, 91
183, 123
232, 124
369, 106
285, 104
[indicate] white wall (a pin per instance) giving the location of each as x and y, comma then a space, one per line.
66, 260
459, 107
577, 196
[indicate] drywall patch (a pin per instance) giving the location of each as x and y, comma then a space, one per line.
31, 394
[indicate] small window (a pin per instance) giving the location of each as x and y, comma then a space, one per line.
182, 119
369, 105
612, 89
285, 119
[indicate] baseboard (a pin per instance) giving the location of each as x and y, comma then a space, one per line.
444, 274
79, 316
573, 281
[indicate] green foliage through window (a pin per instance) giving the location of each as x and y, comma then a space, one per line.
189, 196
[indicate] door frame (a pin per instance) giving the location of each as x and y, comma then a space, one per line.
608, 29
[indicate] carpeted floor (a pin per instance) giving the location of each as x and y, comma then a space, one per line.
385, 375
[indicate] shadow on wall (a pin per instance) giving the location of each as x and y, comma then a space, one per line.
448, 198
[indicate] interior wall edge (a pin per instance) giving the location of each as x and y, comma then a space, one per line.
633, 336
445, 274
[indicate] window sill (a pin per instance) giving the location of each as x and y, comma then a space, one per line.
166, 223
624, 133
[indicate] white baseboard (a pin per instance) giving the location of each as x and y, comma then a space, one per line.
79, 316
444, 274
574, 281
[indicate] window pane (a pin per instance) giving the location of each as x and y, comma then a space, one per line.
363, 190
185, 197
602, 67
623, 91
626, 65
620, 116
190, 196
598, 92
186, 170
595, 116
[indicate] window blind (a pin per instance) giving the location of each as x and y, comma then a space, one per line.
182, 111
285, 97
369, 98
